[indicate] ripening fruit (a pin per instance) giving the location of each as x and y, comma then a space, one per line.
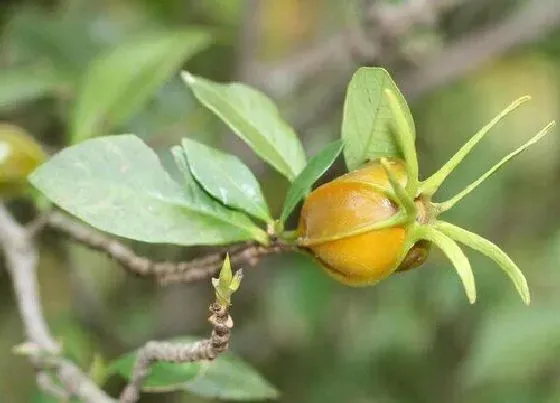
19, 156
336, 222
380, 218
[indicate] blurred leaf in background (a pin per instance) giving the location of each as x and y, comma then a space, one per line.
118, 83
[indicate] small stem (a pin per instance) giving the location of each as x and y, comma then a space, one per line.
289, 236
178, 352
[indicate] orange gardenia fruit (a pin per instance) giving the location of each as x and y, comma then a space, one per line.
334, 225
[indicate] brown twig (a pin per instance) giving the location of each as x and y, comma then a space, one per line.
154, 351
249, 254
21, 260
166, 272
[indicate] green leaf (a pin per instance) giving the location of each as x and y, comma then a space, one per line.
226, 178
118, 83
227, 377
117, 184
198, 195
368, 122
492, 251
316, 167
454, 254
25, 84
254, 118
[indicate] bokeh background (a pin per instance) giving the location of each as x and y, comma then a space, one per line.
412, 338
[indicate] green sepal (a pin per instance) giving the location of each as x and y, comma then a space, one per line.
405, 139
459, 196
403, 197
432, 184
454, 254
490, 250
393, 221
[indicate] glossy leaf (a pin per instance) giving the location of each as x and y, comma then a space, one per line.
118, 83
198, 195
117, 184
368, 122
227, 377
226, 178
490, 250
254, 118
316, 167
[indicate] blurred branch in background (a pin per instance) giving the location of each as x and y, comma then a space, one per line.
417, 73
45, 353
344, 50
530, 23
42, 349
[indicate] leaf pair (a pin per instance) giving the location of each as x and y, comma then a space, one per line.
118, 185
254, 118
226, 178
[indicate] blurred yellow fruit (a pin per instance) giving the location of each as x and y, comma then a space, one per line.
19, 156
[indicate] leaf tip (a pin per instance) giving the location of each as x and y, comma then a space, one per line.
526, 296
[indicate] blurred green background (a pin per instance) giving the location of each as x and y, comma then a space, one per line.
412, 338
